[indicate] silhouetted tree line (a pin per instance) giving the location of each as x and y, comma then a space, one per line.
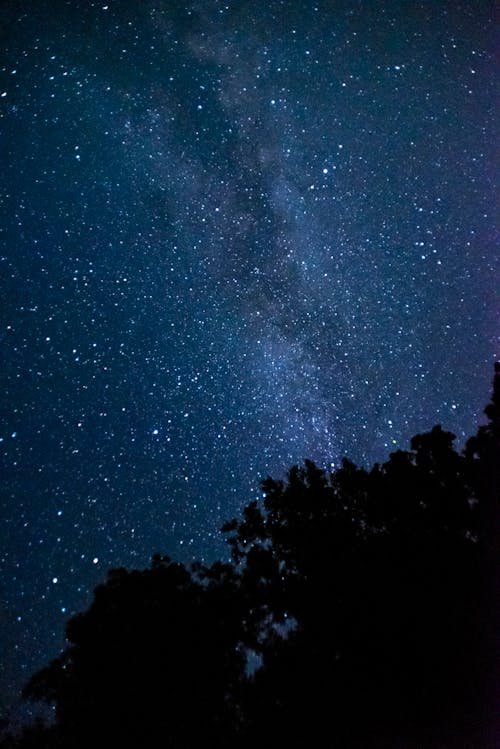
360, 610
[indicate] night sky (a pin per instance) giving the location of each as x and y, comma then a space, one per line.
234, 235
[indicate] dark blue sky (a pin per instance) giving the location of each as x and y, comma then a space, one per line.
235, 235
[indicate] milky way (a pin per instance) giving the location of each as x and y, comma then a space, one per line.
235, 235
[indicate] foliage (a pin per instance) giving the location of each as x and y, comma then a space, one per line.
365, 597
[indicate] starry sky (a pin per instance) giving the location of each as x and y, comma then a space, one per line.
234, 235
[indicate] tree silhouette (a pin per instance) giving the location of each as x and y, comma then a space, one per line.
483, 451
365, 597
378, 574
151, 662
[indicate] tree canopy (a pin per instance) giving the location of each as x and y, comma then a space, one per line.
359, 610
